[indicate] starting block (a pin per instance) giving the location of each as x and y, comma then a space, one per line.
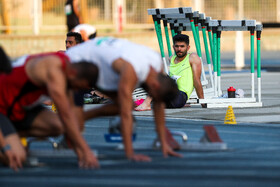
51, 140
117, 138
53, 153
114, 131
210, 141
33, 155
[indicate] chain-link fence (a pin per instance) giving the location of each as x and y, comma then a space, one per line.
260, 10
19, 15
22, 17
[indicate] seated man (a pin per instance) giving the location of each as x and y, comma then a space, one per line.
185, 68
72, 39
122, 67
22, 91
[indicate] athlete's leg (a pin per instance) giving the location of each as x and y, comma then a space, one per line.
110, 109
179, 101
78, 108
105, 110
42, 124
79, 111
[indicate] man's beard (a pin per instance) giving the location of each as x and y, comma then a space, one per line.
182, 54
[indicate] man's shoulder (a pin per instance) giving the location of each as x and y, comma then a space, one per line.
193, 58
193, 54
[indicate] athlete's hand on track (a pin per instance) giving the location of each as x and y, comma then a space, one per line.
14, 160
140, 158
87, 160
167, 151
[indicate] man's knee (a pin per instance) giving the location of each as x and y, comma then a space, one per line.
48, 122
57, 128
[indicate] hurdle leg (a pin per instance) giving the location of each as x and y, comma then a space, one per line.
210, 38
197, 47
173, 33
252, 63
160, 42
196, 18
167, 38
219, 62
207, 56
214, 57
259, 30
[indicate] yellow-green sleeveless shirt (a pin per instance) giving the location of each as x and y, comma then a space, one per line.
182, 73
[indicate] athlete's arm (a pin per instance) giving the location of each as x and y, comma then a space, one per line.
57, 87
128, 80
12, 159
195, 63
77, 10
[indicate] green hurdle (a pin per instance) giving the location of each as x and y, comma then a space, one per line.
204, 26
219, 89
214, 57
259, 31
160, 42
184, 19
252, 31
185, 14
167, 38
210, 35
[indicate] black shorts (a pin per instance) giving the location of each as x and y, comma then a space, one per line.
179, 101
6, 125
31, 114
79, 98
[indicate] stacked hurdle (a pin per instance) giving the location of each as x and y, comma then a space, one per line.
184, 19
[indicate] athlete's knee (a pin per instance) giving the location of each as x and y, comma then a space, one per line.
57, 128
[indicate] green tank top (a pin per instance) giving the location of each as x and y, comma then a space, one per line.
182, 73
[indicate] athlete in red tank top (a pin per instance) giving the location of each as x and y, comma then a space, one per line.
18, 92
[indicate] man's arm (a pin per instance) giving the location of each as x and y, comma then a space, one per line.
128, 81
7, 155
195, 63
77, 10
57, 88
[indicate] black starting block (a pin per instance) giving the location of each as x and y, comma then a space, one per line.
210, 141
114, 135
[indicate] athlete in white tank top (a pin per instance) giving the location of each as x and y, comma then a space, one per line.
105, 50
123, 66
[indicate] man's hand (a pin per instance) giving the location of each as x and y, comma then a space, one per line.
204, 105
140, 158
14, 160
167, 151
87, 160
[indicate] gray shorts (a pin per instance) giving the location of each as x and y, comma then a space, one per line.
6, 126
